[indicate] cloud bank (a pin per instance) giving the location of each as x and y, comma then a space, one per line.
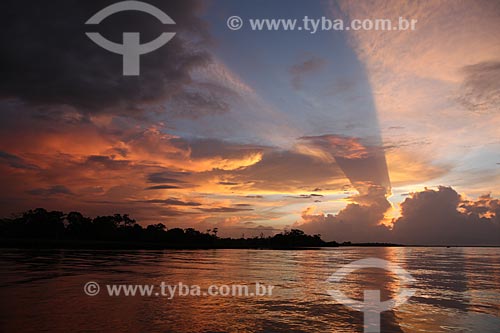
429, 217
47, 60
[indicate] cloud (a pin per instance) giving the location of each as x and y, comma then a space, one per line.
48, 60
202, 99
307, 196
284, 171
361, 162
309, 66
330, 146
443, 217
228, 183
429, 217
155, 165
166, 177
359, 221
197, 154
50, 191
481, 86
173, 202
408, 167
161, 187
429, 79
224, 210
15, 161
106, 162
237, 227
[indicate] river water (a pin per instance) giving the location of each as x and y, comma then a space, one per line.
457, 290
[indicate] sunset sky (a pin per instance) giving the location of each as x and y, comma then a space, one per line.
356, 135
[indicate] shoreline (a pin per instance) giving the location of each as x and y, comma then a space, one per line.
47, 244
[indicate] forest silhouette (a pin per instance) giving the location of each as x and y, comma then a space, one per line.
42, 228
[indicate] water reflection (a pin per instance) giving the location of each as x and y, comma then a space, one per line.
457, 290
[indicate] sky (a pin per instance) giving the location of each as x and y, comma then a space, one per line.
364, 136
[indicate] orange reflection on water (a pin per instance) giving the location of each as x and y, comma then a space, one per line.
457, 290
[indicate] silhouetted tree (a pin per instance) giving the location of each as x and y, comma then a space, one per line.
78, 225
54, 225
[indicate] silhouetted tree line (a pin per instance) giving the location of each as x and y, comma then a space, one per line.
57, 228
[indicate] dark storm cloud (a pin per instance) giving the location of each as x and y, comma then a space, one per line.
161, 187
481, 86
47, 59
15, 161
123, 152
106, 162
228, 183
438, 217
52, 190
168, 180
